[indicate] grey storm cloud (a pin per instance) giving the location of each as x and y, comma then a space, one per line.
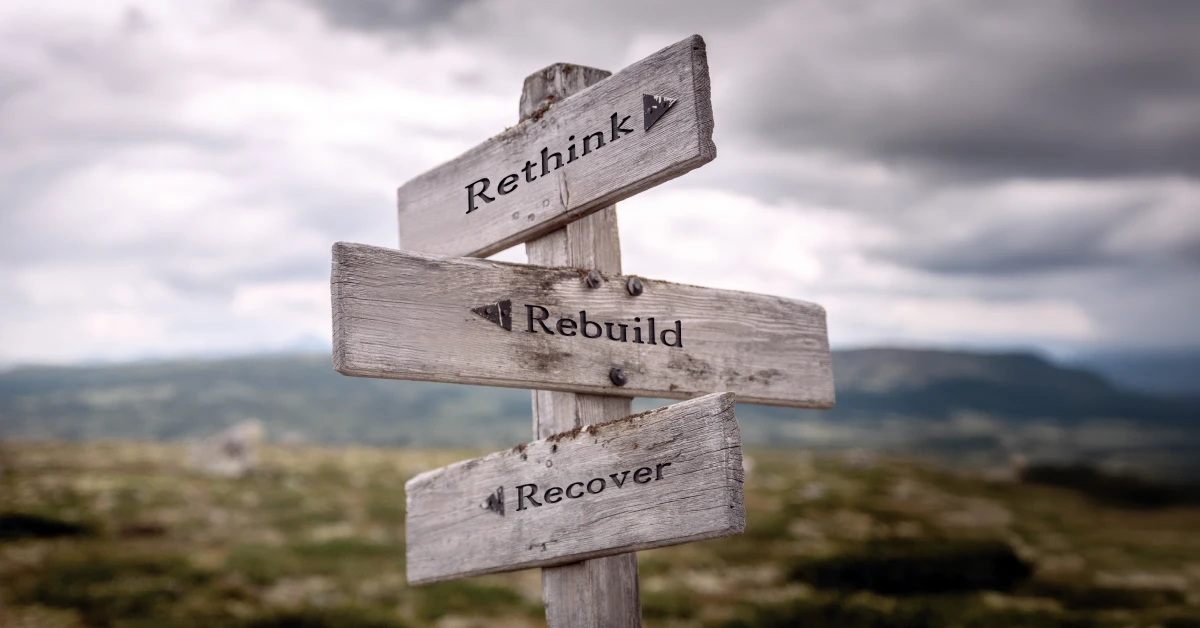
388, 15
1013, 251
1043, 153
1034, 88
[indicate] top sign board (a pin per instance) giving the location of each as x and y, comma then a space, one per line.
646, 124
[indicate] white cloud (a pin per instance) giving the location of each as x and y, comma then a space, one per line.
172, 177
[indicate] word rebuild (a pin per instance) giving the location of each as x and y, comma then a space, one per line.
403, 315
508, 184
594, 486
567, 326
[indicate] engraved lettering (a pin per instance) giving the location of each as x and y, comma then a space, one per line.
658, 469
621, 481
678, 331
583, 326
590, 328
618, 128
592, 142
640, 477
507, 184
546, 155
521, 496
599, 136
593, 486
529, 176
540, 320
471, 195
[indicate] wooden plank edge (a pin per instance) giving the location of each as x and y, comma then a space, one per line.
703, 92
734, 527
724, 402
599, 203
336, 279
345, 364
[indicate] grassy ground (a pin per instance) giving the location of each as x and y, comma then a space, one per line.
120, 534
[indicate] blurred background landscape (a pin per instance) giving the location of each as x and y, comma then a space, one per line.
997, 204
972, 410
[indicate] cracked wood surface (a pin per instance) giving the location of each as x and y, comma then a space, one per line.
453, 531
402, 315
433, 207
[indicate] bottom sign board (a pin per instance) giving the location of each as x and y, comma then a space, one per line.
664, 477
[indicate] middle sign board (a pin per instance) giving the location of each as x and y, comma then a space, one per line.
401, 315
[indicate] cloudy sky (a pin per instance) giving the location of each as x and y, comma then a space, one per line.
966, 173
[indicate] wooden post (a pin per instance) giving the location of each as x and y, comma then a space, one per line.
601, 592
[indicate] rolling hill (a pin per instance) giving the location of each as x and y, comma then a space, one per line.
951, 403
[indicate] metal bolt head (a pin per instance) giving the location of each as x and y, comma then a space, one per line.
593, 279
634, 286
617, 376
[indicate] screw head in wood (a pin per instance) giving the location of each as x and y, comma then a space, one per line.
593, 279
617, 376
634, 286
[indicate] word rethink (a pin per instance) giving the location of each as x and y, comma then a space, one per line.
575, 490
590, 143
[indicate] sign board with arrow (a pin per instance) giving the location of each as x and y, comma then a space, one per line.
644, 125
669, 476
406, 316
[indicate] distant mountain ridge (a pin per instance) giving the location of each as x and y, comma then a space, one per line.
1016, 386
886, 370
301, 396
1165, 372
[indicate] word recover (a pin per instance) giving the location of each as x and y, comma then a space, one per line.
555, 494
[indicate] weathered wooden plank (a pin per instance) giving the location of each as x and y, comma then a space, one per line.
406, 316
664, 477
596, 593
443, 212
599, 592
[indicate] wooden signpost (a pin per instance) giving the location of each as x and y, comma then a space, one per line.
597, 485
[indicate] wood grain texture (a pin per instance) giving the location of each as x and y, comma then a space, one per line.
599, 592
684, 483
433, 207
407, 316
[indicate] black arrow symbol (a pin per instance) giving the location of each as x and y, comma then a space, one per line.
654, 107
495, 502
499, 313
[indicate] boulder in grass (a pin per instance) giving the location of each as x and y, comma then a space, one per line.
232, 452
